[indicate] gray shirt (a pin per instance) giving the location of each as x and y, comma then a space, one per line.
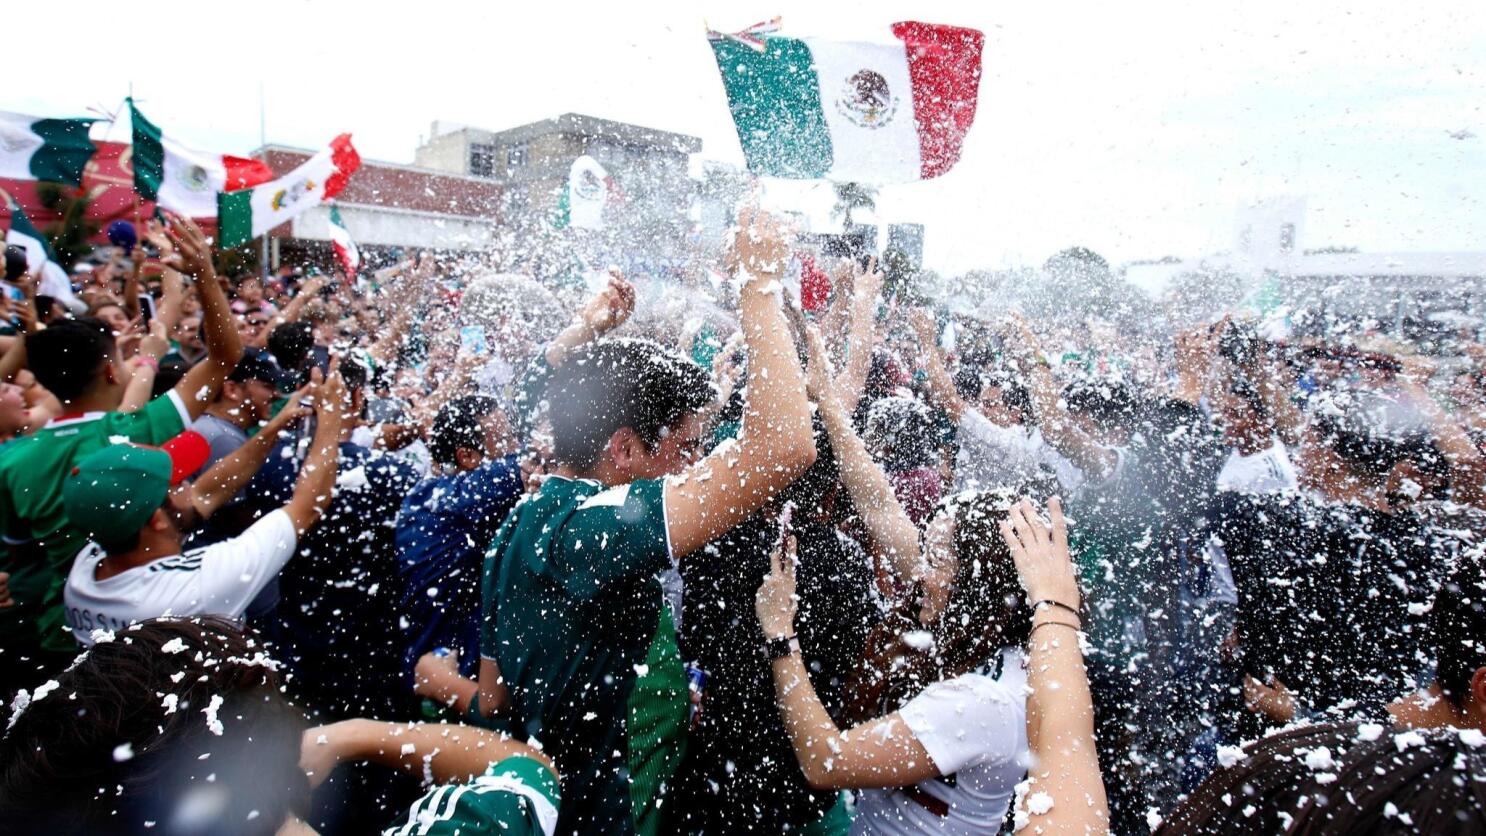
221, 435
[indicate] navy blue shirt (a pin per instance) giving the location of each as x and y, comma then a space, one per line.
336, 624
445, 526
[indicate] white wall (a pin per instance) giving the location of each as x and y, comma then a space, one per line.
398, 227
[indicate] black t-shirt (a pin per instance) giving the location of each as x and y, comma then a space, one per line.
1332, 598
742, 774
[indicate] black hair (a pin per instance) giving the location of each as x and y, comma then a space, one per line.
977, 373
1343, 778
905, 431
987, 611
457, 427
290, 344
171, 372
1109, 403
166, 717
1364, 432
44, 305
1457, 627
67, 357
615, 383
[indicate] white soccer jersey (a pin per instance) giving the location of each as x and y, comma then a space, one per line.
220, 579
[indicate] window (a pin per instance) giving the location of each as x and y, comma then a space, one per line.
482, 160
516, 156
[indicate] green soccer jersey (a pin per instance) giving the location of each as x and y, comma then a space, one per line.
515, 797
39, 542
575, 618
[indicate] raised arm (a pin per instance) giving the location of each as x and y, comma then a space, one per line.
221, 482
1066, 790
412, 291
449, 754
941, 387
879, 753
867, 283
307, 292
172, 285
317, 474
145, 365
871, 493
224, 347
1467, 465
14, 358
607, 310
1057, 427
776, 443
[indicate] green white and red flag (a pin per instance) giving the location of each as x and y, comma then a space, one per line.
866, 112
55, 150
247, 214
345, 247
184, 179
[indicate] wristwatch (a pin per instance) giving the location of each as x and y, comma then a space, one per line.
782, 646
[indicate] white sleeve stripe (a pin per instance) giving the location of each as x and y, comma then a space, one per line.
180, 407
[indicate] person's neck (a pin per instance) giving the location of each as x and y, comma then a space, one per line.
1431, 709
1251, 442
151, 548
233, 414
1351, 490
605, 473
106, 400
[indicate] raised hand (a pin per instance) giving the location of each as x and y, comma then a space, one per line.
193, 255
156, 343
775, 602
760, 243
610, 307
819, 376
1041, 553
867, 279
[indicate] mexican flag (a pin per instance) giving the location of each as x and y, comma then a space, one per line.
183, 179
864, 112
345, 248
53, 281
589, 189
246, 214
55, 150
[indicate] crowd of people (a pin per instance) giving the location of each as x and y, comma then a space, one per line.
293, 553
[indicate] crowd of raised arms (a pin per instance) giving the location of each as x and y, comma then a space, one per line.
293, 554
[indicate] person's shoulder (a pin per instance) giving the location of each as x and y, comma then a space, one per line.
84, 564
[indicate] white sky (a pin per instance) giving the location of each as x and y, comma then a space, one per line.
1135, 130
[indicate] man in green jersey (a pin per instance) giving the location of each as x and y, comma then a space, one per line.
78, 362
579, 644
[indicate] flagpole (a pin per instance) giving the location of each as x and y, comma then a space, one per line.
263, 144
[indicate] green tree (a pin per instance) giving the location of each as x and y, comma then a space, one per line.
853, 196
71, 235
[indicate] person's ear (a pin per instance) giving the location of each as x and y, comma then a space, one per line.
1478, 687
160, 520
625, 448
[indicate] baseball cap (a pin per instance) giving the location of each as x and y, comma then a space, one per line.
112, 492
257, 364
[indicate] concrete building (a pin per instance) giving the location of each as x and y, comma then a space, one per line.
532, 161
647, 223
1412, 295
388, 205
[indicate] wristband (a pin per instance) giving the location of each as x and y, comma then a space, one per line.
1048, 602
782, 646
147, 360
